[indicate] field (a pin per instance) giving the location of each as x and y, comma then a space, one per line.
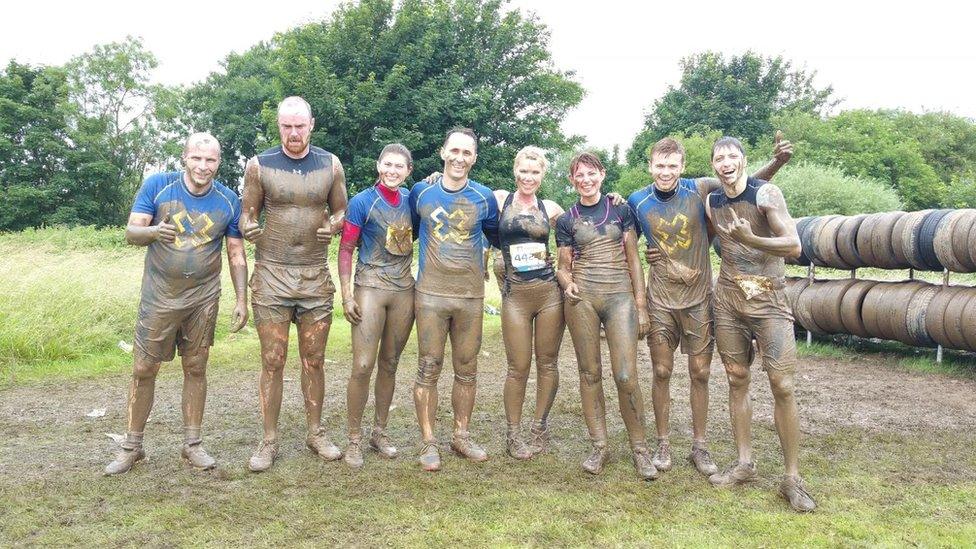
888, 438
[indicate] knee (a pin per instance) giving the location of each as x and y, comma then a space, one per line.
547, 364
738, 375
782, 386
588, 377
145, 370
465, 378
626, 382
361, 372
466, 372
518, 371
195, 365
699, 371
273, 359
388, 365
662, 372
429, 370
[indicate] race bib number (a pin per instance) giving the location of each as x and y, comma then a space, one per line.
529, 256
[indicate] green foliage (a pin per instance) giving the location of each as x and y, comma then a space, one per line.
868, 144
75, 141
379, 71
735, 96
811, 189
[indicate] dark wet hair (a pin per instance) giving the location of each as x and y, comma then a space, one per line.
463, 131
727, 141
587, 159
667, 146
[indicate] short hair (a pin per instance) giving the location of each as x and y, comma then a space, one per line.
728, 142
292, 101
463, 131
585, 158
667, 146
200, 138
396, 148
532, 153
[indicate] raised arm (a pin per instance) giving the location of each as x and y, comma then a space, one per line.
782, 153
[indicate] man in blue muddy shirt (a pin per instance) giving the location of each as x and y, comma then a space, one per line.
182, 217
450, 215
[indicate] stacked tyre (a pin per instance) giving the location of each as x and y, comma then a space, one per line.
930, 240
912, 312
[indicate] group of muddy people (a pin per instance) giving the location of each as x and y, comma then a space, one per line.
294, 203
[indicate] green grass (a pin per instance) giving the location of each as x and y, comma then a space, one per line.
64, 305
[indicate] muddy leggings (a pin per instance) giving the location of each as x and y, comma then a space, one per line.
387, 317
618, 315
437, 318
532, 307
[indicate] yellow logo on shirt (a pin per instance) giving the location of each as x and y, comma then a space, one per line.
455, 223
673, 235
199, 232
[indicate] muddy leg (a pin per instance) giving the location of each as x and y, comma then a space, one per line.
141, 391
584, 328
740, 409
621, 326
699, 369
549, 328
432, 327
517, 335
365, 338
396, 331
465, 332
274, 351
312, 338
194, 387
662, 360
786, 419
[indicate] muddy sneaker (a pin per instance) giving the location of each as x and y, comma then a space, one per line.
462, 444
263, 457
593, 464
430, 457
662, 456
124, 461
197, 457
538, 438
320, 444
702, 460
644, 464
795, 492
382, 444
353, 456
517, 448
737, 473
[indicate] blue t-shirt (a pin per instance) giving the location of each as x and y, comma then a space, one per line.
187, 272
676, 225
450, 225
385, 240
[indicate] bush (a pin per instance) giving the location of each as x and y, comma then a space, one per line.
811, 189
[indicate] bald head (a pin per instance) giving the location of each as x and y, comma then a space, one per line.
294, 105
202, 140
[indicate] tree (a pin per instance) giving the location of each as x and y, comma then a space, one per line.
34, 143
736, 96
119, 125
380, 71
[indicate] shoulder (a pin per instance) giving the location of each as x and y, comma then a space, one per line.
768, 194
481, 190
269, 153
227, 193
500, 196
552, 208
688, 184
362, 197
638, 196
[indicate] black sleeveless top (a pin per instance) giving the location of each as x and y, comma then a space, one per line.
524, 239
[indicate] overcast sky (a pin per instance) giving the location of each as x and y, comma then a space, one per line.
917, 56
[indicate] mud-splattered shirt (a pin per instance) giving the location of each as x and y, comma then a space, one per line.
297, 195
185, 273
678, 227
385, 240
740, 262
523, 233
596, 234
450, 225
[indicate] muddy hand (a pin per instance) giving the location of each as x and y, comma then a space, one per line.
616, 198
324, 233
572, 293
643, 323
350, 309
252, 230
653, 255
740, 229
166, 231
432, 177
782, 149
239, 316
